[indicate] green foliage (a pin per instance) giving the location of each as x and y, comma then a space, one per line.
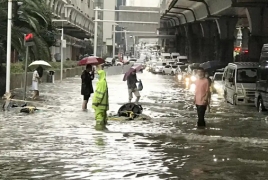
35, 18
19, 67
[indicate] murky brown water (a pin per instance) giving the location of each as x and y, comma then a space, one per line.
59, 141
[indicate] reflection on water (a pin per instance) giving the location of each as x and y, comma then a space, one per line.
60, 142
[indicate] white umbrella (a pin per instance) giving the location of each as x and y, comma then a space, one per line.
40, 63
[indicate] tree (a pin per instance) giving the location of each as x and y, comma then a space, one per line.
34, 17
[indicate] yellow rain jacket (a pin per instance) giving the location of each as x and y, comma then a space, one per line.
100, 100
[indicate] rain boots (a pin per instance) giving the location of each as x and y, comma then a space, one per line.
101, 119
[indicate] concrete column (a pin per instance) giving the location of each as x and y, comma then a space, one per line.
193, 47
245, 37
206, 49
183, 41
226, 28
257, 17
195, 42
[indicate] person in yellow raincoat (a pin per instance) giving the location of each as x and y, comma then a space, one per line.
100, 102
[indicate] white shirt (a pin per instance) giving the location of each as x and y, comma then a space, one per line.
35, 76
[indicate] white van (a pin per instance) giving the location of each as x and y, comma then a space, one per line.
239, 80
175, 55
165, 57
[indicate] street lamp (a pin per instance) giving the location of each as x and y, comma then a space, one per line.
8, 57
63, 45
114, 25
134, 52
8, 63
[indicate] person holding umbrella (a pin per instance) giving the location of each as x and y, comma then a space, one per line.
86, 86
100, 102
37, 75
131, 78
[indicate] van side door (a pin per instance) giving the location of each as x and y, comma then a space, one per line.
262, 83
230, 85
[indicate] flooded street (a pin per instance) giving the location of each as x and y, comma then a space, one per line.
60, 142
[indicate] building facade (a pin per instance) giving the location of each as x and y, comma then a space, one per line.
75, 17
108, 26
105, 29
119, 37
134, 29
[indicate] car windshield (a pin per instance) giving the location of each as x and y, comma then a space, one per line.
218, 77
160, 64
247, 75
183, 67
167, 57
174, 67
174, 57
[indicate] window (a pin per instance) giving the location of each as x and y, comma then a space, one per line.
263, 73
247, 75
230, 74
218, 77
167, 57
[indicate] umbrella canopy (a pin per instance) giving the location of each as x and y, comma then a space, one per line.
39, 63
92, 60
132, 69
212, 65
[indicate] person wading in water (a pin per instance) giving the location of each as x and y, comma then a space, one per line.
201, 96
86, 86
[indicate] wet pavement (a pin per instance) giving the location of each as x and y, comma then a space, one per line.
60, 142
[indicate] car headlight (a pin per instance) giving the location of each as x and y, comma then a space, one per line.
187, 79
179, 77
193, 78
217, 86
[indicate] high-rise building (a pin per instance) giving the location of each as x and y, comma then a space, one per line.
143, 3
119, 37
105, 29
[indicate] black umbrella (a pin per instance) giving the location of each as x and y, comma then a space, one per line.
213, 65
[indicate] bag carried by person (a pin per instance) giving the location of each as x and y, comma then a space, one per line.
140, 86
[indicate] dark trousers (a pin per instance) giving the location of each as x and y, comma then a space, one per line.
201, 110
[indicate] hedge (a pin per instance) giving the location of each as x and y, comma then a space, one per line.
19, 67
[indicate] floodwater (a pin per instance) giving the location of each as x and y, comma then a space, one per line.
60, 142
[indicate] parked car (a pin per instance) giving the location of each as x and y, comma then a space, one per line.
261, 94
240, 82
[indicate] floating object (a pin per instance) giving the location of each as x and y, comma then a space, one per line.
28, 109
130, 110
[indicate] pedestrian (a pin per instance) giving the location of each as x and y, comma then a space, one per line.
100, 102
132, 87
210, 90
86, 85
37, 75
201, 96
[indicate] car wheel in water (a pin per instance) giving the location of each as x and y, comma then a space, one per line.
225, 96
260, 106
172, 73
234, 100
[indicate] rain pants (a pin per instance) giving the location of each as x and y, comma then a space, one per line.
100, 102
